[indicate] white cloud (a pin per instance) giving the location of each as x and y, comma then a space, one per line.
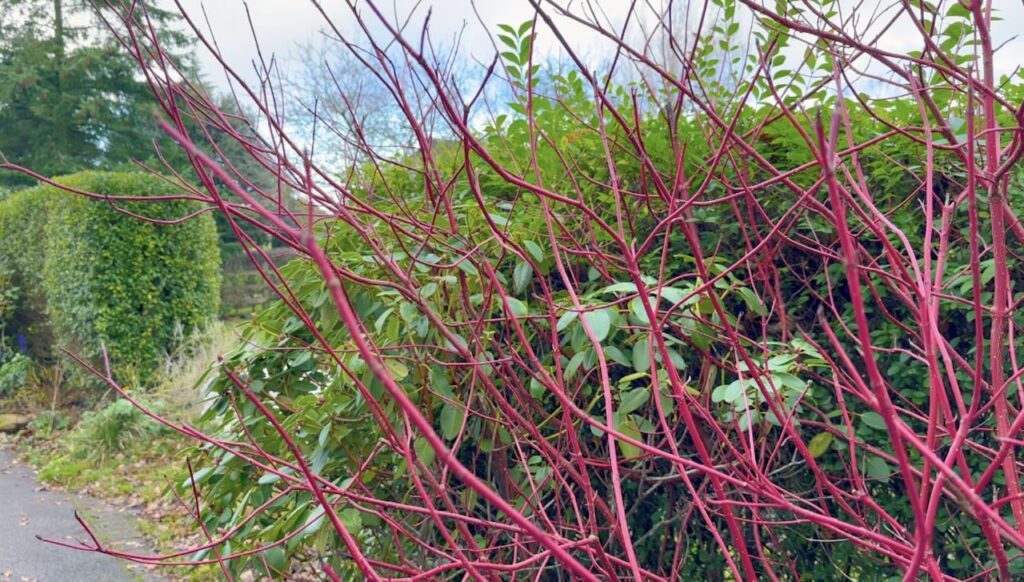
282, 26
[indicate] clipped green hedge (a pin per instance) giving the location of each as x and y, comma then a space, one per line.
23, 218
107, 278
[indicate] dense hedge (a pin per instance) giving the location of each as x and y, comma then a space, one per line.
103, 277
22, 224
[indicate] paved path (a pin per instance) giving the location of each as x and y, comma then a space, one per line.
27, 509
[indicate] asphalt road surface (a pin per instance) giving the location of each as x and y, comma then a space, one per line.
28, 509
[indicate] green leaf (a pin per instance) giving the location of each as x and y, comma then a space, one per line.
198, 476
519, 309
616, 355
397, 369
874, 420
567, 318
300, 358
728, 392
537, 390
269, 478
752, 300
634, 399
276, 559
805, 347
701, 336
521, 276
535, 251
668, 404
957, 10
788, 381
673, 295
676, 360
408, 311
637, 307
630, 429
424, 452
819, 444
630, 377
524, 50
382, 319
620, 288
781, 362
600, 322
468, 268
749, 418
641, 359
469, 498
460, 343
718, 394
574, 364
451, 421
352, 519
877, 468
428, 290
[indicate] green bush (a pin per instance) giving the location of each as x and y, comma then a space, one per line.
14, 369
105, 278
112, 430
49, 422
23, 218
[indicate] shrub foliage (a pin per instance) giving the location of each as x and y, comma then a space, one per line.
137, 287
740, 319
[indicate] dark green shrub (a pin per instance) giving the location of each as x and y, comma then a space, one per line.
104, 278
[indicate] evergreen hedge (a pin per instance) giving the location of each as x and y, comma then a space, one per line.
104, 278
23, 217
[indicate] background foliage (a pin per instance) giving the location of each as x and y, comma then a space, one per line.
107, 278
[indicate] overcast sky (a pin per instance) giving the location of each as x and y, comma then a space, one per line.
282, 25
